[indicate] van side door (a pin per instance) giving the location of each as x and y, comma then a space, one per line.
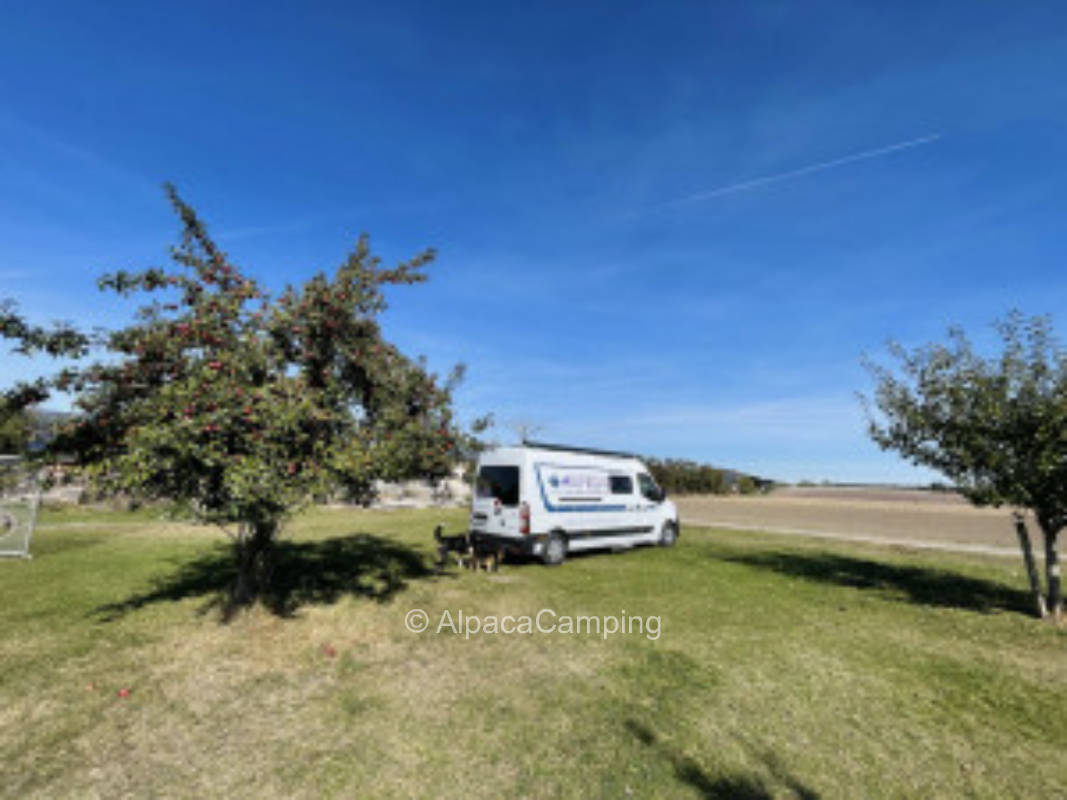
629, 521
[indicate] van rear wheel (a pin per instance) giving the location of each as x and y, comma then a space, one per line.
555, 549
669, 535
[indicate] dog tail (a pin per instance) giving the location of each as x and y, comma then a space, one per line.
437, 533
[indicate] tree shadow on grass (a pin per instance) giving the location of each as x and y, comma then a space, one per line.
304, 573
726, 787
919, 585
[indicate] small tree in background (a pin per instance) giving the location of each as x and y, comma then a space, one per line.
15, 431
996, 427
472, 443
242, 407
679, 476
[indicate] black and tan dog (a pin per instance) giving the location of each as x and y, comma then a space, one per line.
470, 551
486, 555
460, 545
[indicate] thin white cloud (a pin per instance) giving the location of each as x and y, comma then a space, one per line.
801, 419
254, 231
347, 214
755, 183
94, 162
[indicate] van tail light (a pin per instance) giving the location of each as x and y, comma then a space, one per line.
524, 518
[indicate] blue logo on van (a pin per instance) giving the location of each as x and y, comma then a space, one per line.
555, 482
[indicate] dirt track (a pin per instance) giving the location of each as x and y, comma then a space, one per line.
883, 513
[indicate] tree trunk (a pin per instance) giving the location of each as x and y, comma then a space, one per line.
254, 562
1052, 574
1031, 567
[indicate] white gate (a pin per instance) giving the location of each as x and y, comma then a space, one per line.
20, 495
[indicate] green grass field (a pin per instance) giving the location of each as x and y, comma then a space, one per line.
782, 669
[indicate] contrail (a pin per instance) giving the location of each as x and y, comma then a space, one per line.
795, 173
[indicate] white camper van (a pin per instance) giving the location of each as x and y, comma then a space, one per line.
547, 500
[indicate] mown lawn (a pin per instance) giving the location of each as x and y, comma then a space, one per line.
782, 669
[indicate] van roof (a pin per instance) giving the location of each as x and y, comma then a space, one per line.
566, 448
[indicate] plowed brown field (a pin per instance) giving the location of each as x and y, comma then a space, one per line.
898, 514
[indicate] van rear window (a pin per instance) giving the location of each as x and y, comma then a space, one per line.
501, 483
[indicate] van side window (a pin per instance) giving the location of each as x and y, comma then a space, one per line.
500, 483
648, 487
622, 484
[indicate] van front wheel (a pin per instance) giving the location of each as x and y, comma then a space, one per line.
669, 535
555, 549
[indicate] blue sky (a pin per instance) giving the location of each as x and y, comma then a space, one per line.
613, 266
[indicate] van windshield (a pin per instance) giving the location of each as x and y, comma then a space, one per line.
501, 483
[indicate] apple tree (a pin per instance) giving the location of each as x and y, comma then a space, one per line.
996, 426
242, 406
